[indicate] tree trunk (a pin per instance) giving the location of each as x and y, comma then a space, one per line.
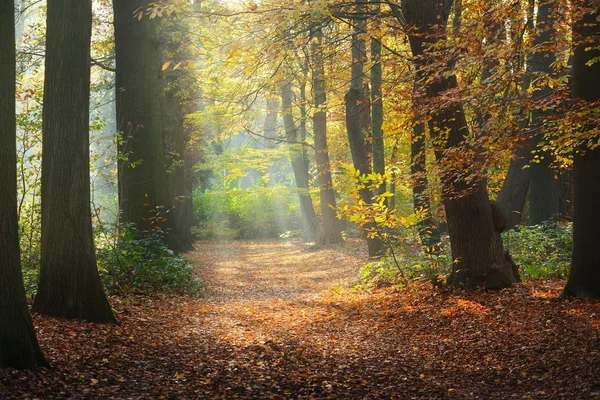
477, 252
377, 103
355, 106
427, 230
69, 284
514, 190
299, 165
177, 165
144, 196
330, 224
584, 278
19, 347
543, 196
270, 131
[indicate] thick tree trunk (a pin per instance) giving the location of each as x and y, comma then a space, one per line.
144, 196
19, 347
543, 190
477, 252
584, 278
355, 106
299, 165
330, 224
69, 284
514, 190
180, 186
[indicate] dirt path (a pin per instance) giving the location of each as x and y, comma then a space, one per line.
283, 322
289, 271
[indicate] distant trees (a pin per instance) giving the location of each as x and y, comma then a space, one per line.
356, 108
69, 284
331, 226
19, 347
295, 136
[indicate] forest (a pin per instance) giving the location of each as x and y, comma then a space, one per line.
300, 199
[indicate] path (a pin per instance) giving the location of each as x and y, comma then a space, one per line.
283, 322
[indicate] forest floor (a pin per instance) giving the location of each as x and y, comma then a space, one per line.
282, 321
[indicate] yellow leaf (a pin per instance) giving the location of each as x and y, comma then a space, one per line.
165, 65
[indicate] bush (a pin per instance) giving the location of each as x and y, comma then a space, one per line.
145, 265
409, 262
541, 251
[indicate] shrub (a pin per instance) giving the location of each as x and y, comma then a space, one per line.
542, 250
409, 262
144, 265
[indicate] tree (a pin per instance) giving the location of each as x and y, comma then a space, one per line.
178, 169
19, 347
531, 170
179, 99
69, 284
144, 195
584, 277
427, 230
299, 164
477, 252
513, 195
356, 103
331, 228
543, 191
376, 77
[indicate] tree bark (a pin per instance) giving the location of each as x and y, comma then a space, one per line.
69, 284
543, 195
299, 165
144, 196
584, 277
355, 106
477, 252
19, 347
513, 195
377, 103
330, 224
178, 170
270, 131
180, 98
515, 188
427, 231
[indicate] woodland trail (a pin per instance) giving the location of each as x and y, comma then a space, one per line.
283, 321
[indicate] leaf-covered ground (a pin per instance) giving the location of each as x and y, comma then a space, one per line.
282, 322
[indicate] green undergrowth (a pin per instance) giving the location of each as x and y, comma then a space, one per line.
259, 212
131, 264
143, 264
540, 251
408, 262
